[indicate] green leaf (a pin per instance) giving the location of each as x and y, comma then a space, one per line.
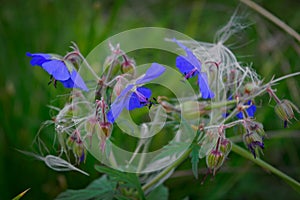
123, 178
102, 188
195, 159
160, 193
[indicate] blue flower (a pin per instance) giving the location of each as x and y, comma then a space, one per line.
134, 95
58, 69
190, 66
250, 111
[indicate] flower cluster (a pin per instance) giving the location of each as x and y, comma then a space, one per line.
225, 98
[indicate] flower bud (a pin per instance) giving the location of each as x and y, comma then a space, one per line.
250, 88
79, 151
128, 66
120, 85
106, 129
253, 126
101, 129
92, 126
75, 143
284, 110
225, 146
71, 140
214, 160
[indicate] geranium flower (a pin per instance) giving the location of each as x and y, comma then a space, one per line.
58, 69
134, 95
190, 66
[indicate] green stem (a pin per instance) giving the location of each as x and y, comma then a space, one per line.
220, 104
272, 18
244, 153
163, 173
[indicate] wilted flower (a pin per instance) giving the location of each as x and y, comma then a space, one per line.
134, 95
59, 69
75, 143
254, 135
190, 66
254, 142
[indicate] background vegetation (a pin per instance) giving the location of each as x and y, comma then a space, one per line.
50, 25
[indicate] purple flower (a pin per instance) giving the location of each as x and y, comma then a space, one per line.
58, 69
135, 96
250, 111
190, 66
254, 142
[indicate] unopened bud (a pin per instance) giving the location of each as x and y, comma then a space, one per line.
250, 88
214, 160
128, 66
101, 129
120, 85
225, 146
79, 151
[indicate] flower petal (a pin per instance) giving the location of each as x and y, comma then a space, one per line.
68, 83
251, 110
185, 66
119, 104
78, 81
153, 72
57, 69
38, 58
204, 87
240, 115
191, 58
139, 98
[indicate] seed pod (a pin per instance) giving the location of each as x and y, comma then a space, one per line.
285, 110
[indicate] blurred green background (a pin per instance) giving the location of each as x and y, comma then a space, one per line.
50, 25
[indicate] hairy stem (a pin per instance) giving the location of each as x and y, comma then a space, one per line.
272, 18
244, 153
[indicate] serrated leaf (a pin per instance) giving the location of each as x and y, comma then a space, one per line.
195, 159
101, 188
160, 193
128, 179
